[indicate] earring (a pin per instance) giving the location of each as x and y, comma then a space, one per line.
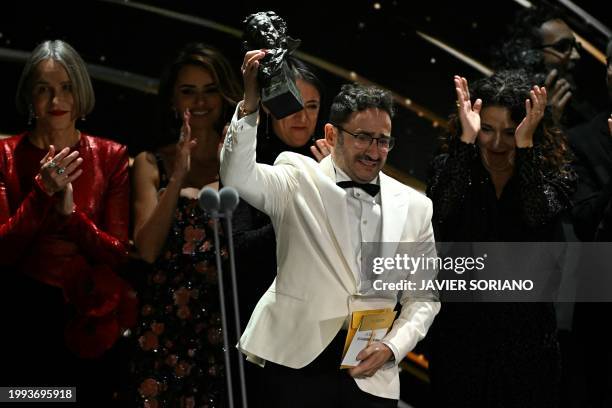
31, 115
83, 118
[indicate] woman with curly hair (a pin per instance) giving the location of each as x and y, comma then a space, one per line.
503, 176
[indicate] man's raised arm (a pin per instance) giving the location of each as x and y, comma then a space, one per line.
265, 187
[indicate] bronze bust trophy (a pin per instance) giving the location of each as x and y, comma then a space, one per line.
279, 94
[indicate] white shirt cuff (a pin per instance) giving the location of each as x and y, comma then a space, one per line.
397, 357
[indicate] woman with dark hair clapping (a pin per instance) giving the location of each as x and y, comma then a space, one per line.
179, 358
503, 176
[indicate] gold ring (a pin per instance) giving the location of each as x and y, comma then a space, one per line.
457, 104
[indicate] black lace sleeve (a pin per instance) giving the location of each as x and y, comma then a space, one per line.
450, 179
544, 194
253, 233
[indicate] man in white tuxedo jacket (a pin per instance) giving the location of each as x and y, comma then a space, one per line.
298, 327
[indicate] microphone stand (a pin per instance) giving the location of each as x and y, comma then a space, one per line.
210, 200
230, 239
226, 352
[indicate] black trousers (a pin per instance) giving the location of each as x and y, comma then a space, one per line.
320, 384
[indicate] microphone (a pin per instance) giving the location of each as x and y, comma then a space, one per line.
209, 200
229, 199
221, 205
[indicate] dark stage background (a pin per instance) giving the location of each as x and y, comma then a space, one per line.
377, 40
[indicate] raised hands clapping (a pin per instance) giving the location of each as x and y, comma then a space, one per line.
185, 145
535, 107
468, 115
57, 172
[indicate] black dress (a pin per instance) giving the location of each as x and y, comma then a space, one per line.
178, 359
495, 354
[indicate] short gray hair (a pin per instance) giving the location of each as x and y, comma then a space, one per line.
63, 53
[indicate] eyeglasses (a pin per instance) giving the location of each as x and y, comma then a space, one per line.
564, 45
364, 141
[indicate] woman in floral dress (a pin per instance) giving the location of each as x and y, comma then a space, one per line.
179, 353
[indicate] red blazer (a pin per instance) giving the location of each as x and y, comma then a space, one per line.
76, 253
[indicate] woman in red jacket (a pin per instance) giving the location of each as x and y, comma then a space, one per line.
64, 207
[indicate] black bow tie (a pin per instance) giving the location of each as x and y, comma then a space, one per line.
371, 189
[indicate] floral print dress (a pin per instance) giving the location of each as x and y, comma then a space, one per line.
179, 360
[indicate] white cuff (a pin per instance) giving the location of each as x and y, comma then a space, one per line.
397, 357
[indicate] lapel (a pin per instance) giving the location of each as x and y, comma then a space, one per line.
334, 201
394, 203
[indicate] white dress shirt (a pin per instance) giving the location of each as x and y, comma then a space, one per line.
365, 219
365, 223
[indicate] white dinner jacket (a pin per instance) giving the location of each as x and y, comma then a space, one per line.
316, 287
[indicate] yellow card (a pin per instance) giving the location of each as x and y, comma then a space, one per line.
366, 327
